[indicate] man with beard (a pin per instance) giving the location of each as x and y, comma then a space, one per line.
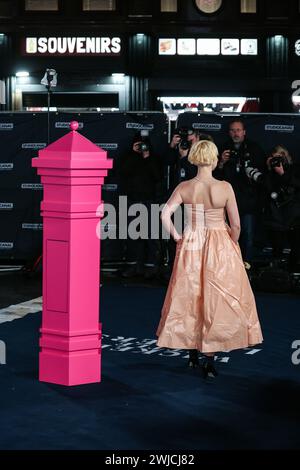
235, 155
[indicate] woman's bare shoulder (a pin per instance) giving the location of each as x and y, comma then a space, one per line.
222, 184
182, 186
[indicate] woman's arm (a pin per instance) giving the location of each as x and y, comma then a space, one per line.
170, 207
233, 214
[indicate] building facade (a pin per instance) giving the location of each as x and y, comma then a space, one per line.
139, 55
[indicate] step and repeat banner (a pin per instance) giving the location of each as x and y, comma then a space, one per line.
23, 134
267, 130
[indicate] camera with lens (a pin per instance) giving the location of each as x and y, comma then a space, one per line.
253, 173
183, 133
143, 147
233, 154
278, 160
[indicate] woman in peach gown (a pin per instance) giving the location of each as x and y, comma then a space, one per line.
209, 305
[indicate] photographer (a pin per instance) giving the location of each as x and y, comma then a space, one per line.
141, 178
179, 168
237, 154
176, 157
282, 204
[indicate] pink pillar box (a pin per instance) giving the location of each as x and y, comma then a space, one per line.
72, 172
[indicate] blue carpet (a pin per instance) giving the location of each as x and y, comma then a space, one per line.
148, 398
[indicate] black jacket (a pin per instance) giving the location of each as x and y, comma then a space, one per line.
233, 171
180, 169
140, 177
282, 198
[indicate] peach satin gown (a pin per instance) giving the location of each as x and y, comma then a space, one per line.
209, 303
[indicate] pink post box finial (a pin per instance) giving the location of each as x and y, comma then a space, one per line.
72, 171
74, 125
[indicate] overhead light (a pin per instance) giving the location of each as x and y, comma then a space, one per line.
278, 39
118, 78
140, 38
202, 99
22, 73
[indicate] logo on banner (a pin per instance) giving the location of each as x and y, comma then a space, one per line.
6, 166
106, 146
6, 126
32, 226
6, 206
279, 128
208, 126
34, 186
6, 245
33, 145
66, 125
136, 125
110, 187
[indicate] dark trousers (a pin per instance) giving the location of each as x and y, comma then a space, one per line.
143, 252
248, 222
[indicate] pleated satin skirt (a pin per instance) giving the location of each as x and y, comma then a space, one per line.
209, 304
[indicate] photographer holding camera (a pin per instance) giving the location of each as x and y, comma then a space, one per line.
282, 204
141, 180
178, 166
237, 154
176, 157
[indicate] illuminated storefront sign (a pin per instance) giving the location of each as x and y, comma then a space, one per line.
207, 46
70, 46
249, 46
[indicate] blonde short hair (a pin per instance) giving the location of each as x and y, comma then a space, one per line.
203, 153
283, 151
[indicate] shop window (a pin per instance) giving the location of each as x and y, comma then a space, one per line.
248, 6
99, 5
86, 101
175, 105
168, 6
41, 5
277, 9
137, 8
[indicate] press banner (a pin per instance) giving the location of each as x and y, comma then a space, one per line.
114, 132
21, 136
267, 130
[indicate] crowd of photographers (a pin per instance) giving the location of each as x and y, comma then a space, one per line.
267, 190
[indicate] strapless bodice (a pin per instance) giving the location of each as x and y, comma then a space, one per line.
197, 217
